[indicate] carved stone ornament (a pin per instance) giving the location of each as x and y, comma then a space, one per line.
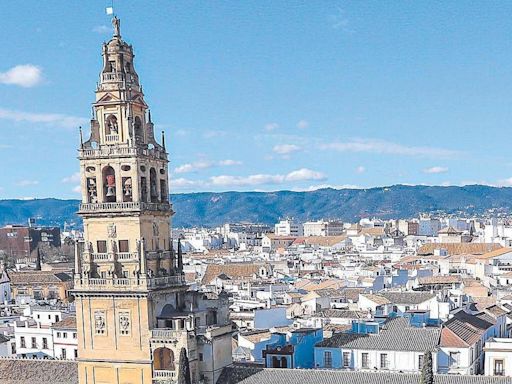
99, 322
155, 230
124, 323
111, 230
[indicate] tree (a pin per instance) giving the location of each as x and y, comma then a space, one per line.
427, 371
184, 368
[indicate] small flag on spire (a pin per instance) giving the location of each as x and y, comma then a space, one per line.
110, 10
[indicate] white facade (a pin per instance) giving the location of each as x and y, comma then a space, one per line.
498, 357
65, 343
288, 228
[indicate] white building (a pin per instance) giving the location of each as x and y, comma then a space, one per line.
498, 357
288, 227
323, 228
65, 340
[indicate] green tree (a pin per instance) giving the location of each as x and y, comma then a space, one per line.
184, 368
427, 371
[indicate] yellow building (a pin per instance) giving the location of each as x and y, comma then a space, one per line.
135, 313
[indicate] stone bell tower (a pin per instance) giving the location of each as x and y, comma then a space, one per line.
135, 314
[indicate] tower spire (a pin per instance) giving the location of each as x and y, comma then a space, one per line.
116, 23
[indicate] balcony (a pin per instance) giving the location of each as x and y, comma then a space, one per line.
119, 151
160, 376
87, 208
112, 77
122, 284
111, 138
165, 281
166, 334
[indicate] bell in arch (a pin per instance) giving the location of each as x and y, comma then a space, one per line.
111, 191
111, 185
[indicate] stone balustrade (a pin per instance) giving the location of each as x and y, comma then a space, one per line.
119, 151
123, 206
141, 283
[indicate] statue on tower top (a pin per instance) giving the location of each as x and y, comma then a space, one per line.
116, 23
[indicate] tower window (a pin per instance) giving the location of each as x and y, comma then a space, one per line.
101, 246
163, 191
137, 130
109, 184
143, 189
152, 185
123, 246
111, 128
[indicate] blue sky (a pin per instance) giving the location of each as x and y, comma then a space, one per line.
268, 95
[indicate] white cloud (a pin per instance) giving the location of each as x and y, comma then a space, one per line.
302, 124
360, 169
271, 126
214, 133
435, 170
324, 186
504, 182
27, 183
285, 149
57, 119
229, 162
191, 167
77, 189
204, 164
73, 179
26, 76
102, 29
303, 174
182, 183
388, 148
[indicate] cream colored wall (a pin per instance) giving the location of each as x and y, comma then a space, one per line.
100, 373
112, 346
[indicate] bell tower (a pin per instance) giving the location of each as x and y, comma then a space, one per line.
125, 269
136, 317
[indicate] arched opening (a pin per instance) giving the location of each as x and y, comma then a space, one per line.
284, 362
163, 191
137, 129
109, 185
163, 359
275, 362
152, 185
111, 126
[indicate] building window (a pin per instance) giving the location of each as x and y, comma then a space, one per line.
100, 324
454, 359
384, 361
365, 362
22, 342
76, 353
13, 349
346, 359
123, 246
63, 353
328, 359
200, 357
58, 334
499, 368
64, 335
421, 358
34, 343
45, 343
101, 246
74, 335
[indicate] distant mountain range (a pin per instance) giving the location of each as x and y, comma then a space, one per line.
211, 208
